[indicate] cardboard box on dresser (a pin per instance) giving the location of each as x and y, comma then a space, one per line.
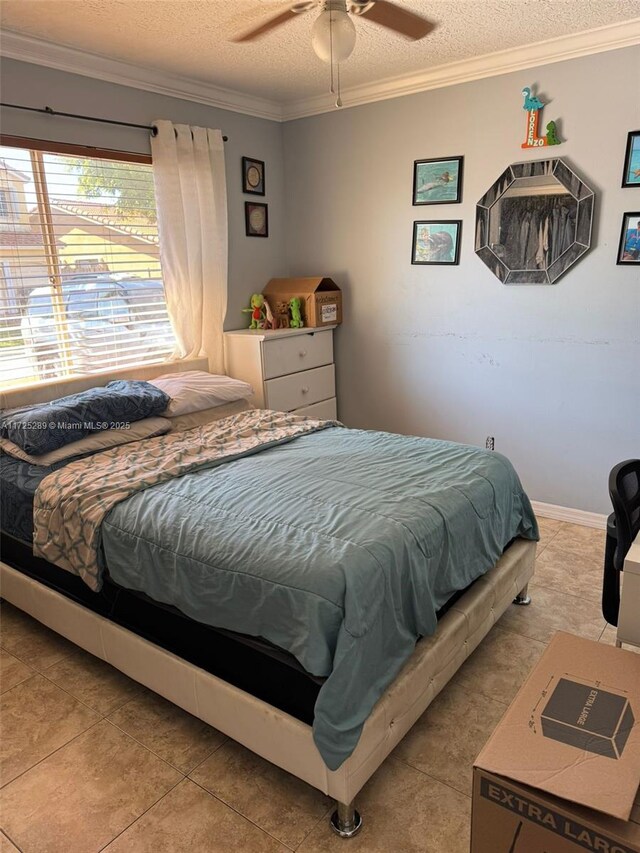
320, 297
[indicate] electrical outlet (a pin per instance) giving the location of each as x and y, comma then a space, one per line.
490, 443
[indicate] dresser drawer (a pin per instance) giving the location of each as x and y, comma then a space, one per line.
327, 410
300, 389
282, 356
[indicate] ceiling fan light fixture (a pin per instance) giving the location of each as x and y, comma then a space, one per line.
333, 35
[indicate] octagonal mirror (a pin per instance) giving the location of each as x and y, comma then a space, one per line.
534, 222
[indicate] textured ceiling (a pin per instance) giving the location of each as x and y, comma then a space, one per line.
190, 37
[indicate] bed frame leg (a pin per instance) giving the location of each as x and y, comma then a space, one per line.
523, 598
345, 820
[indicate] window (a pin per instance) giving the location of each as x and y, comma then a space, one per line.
5, 203
79, 234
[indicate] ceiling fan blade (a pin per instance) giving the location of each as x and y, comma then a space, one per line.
271, 23
387, 14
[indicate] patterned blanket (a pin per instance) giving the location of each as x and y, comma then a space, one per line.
71, 504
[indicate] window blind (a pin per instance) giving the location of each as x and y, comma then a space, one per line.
81, 286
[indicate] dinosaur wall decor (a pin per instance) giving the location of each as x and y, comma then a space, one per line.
533, 107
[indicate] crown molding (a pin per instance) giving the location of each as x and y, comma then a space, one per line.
62, 58
611, 37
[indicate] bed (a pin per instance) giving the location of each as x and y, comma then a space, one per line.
273, 582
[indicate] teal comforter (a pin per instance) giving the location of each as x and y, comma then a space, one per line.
339, 546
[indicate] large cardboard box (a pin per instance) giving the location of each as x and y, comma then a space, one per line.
560, 774
321, 298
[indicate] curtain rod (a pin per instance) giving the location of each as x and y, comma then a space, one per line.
51, 112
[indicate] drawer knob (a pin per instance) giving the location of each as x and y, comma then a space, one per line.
305, 389
303, 352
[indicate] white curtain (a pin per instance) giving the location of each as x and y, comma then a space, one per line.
191, 195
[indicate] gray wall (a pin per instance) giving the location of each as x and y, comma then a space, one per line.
252, 261
552, 372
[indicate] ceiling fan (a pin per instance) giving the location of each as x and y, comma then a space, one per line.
334, 34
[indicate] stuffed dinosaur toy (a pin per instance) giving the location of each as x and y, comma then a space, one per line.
552, 134
295, 305
256, 310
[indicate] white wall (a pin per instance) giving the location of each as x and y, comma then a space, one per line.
252, 260
552, 372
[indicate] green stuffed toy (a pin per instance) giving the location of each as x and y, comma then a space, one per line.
295, 305
256, 310
552, 134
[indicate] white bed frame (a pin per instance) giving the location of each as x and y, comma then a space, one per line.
262, 728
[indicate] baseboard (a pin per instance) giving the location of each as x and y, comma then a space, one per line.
567, 513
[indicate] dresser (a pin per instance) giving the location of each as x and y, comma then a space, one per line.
291, 370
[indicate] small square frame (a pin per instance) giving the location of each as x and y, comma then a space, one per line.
634, 136
253, 176
628, 217
252, 227
438, 180
438, 259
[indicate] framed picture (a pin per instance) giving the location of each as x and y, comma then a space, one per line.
629, 248
436, 241
256, 219
252, 176
631, 176
437, 181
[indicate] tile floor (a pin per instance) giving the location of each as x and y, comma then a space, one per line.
91, 761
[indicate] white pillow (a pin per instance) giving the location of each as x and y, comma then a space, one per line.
102, 440
206, 416
195, 390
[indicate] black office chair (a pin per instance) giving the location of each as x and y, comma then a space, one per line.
622, 527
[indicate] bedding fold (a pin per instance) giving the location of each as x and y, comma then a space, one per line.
71, 504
